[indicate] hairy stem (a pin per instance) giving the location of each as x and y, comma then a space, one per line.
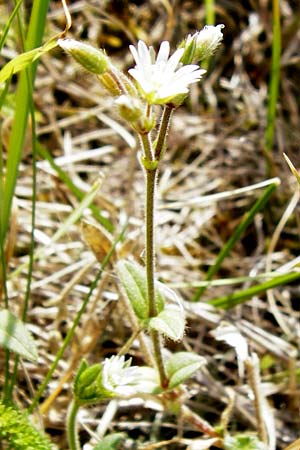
150, 270
149, 241
147, 146
163, 132
72, 426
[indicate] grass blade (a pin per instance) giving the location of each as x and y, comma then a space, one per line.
34, 38
259, 204
274, 78
43, 152
229, 301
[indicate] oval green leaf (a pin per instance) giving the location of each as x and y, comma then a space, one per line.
182, 365
133, 280
14, 336
170, 322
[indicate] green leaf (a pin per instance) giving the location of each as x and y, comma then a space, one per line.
243, 442
170, 322
14, 336
133, 279
23, 60
111, 442
181, 366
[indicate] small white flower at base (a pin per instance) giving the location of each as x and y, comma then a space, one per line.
125, 380
117, 375
162, 79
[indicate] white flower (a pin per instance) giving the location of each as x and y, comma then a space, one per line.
121, 379
118, 376
161, 80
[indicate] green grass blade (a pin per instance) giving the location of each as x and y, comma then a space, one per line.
2, 178
274, 77
209, 20
31, 247
229, 301
243, 225
43, 152
8, 23
34, 37
224, 281
210, 12
75, 215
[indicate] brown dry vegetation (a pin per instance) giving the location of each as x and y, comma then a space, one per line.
216, 145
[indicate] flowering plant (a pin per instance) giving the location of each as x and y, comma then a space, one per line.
156, 79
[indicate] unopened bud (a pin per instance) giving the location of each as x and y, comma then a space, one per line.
129, 108
89, 57
207, 41
201, 44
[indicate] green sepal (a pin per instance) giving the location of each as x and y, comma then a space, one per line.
88, 387
170, 322
181, 366
133, 280
189, 51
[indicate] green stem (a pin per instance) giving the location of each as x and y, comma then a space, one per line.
150, 252
72, 426
157, 347
147, 147
163, 132
151, 174
150, 270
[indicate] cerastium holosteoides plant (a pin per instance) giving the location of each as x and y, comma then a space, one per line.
155, 80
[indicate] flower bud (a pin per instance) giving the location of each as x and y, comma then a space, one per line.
207, 41
89, 57
88, 387
201, 44
129, 108
111, 83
